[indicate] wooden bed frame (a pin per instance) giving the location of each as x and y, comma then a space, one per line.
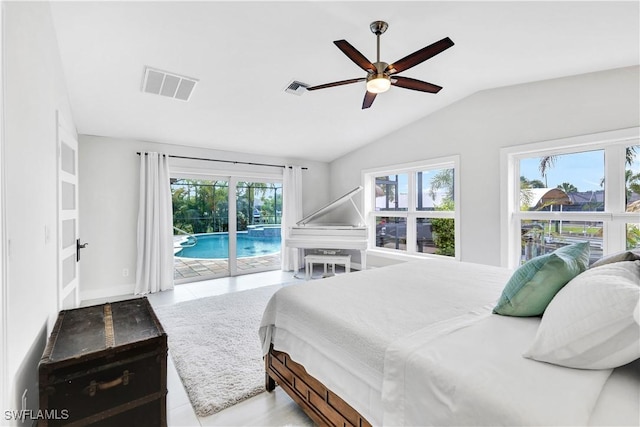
321, 404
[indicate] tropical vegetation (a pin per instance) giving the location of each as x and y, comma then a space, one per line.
202, 206
444, 235
443, 228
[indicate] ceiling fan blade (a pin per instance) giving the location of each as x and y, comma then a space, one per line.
413, 84
354, 55
340, 83
368, 99
419, 56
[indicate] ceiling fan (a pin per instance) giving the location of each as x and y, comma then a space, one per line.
380, 75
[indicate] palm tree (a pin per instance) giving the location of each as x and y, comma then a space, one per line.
632, 181
442, 180
247, 192
631, 154
272, 203
546, 163
526, 195
632, 184
568, 188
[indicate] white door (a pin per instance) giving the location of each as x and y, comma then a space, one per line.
68, 241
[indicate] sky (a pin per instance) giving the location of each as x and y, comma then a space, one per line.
584, 170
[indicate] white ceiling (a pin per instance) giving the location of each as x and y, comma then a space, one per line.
246, 53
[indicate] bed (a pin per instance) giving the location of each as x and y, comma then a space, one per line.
417, 343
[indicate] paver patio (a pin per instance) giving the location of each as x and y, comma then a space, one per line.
189, 268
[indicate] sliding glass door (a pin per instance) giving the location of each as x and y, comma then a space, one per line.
225, 227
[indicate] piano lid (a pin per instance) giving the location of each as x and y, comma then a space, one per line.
333, 205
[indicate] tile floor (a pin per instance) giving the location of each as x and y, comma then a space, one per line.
266, 409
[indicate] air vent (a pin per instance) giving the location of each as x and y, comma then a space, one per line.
296, 88
167, 84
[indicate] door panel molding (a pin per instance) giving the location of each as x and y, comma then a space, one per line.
68, 215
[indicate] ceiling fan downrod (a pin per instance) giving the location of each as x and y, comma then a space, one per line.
378, 81
378, 28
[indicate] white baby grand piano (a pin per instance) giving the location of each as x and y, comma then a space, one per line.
312, 233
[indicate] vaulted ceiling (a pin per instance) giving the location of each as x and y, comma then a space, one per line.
245, 54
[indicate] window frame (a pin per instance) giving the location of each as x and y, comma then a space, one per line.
614, 217
411, 214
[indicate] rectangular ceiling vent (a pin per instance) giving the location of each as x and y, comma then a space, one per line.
296, 88
167, 84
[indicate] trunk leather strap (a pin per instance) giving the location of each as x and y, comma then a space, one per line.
109, 336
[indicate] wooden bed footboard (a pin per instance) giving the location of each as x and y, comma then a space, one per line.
322, 405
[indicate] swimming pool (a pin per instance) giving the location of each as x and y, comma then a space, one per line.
216, 246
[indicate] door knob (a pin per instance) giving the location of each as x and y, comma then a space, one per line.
78, 247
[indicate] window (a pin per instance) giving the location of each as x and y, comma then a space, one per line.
411, 208
572, 190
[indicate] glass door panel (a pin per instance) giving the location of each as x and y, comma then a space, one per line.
391, 232
258, 219
540, 237
200, 228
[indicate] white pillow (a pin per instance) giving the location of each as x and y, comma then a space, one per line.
590, 322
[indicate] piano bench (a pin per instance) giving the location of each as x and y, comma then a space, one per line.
332, 260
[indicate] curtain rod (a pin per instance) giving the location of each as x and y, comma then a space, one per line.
227, 161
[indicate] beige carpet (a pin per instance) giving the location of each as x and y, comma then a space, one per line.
215, 346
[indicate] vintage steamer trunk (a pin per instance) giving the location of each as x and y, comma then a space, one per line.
105, 365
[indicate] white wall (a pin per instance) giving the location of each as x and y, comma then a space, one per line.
34, 90
109, 180
478, 126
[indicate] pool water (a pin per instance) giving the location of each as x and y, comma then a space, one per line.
216, 246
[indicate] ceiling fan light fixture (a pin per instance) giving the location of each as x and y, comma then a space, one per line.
380, 75
378, 84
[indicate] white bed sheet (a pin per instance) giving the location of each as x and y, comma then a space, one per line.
619, 401
470, 371
340, 328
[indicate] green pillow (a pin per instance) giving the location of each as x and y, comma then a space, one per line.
534, 284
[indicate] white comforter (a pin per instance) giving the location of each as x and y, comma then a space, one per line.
351, 319
369, 336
